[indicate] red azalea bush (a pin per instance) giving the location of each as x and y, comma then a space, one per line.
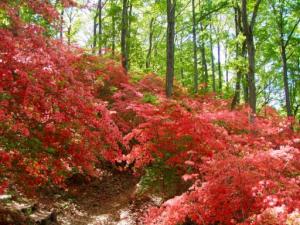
239, 190
51, 122
252, 177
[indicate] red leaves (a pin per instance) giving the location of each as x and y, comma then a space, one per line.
49, 110
237, 190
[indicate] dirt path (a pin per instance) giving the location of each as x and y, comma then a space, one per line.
110, 200
105, 201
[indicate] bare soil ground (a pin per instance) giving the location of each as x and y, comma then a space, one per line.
111, 200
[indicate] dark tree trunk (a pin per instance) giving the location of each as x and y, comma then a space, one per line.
196, 74
61, 37
128, 39
124, 35
212, 60
219, 68
148, 58
69, 34
203, 59
251, 72
100, 26
226, 68
248, 32
181, 61
237, 92
285, 79
171, 6
95, 34
245, 88
113, 34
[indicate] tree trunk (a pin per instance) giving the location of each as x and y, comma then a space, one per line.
124, 35
248, 32
171, 5
237, 92
181, 61
148, 58
61, 25
196, 74
128, 40
226, 67
212, 60
113, 34
219, 68
251, 72
69, 34
285, 79
203, 59
95, 34
100, 26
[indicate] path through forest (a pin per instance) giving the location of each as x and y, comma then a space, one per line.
109, 201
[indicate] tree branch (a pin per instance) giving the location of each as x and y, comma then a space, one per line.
254, 15
292, 32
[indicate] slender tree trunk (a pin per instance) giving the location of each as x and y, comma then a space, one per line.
285, 79
128, 40
212, 59
226, 68
61, 33
69, 34
251, 73
148, 58
203, 59
181, 61
171, 6
95, 34
196, 74
100, 26
124, 34
248, 31
237, 92
219, 67
113, 35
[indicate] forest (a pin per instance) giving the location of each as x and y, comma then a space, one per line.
150, 112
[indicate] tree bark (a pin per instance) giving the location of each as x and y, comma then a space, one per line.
181, 60
113, 34
61, 25
69, 34
100, 26
148, 58
196, 74
226, 68
204, 62
171, 6
248, 32
94, 34
124, 31
219, 68
237, 92
128, 40
285, 79
212, 60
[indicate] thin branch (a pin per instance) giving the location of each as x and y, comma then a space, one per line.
254, 15
291, 33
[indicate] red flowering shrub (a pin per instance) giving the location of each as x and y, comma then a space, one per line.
239, 191
51, 122
252, 177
